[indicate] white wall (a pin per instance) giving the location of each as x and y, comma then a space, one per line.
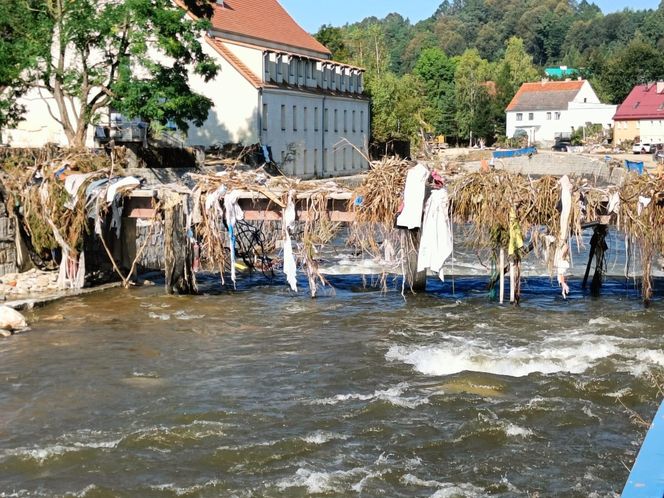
306, 149
586, 95
234, 116
251, 57
651, 130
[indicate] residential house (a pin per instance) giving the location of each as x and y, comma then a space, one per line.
277, 86
641, 115
547, 110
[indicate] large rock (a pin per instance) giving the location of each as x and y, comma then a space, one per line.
10, 319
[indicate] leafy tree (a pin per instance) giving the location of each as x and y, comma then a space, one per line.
473, 99
104, 54
333, 39
22, 40
436, 71
639, 62
399, 107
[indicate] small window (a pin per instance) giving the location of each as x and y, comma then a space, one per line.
548, 116
661, 107
305, 124
305, 160
345, 122
519, 116
531, 116
557, 115
265, 117
361, 121
585, 100
636, 106
336, 120
354, 116
315, 160
326, 119
294, 118
344, 158
315, 118
283, 118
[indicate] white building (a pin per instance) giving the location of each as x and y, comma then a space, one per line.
277, 86
546, 110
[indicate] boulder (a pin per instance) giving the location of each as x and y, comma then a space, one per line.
10, 319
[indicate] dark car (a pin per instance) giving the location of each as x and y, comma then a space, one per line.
561, 146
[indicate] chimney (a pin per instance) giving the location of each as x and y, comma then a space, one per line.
660, 87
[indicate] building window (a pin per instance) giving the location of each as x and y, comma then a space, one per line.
557, 115
305, 160
326, 119
315, 118
264, 118
326, 159
283, 117
548, 116
294, 118
361, 121
519, 116
336, 160
354, 116
531, 116
344, 158
345, 122
305, 124
315, 160
336, 120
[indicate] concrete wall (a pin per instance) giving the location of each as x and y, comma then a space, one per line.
557, 164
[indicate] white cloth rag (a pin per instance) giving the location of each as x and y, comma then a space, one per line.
436, 242
644, 202
127, 183
288, 219
561, 257
234, 214
72, 185
413, 197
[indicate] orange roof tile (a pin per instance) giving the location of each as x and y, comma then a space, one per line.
544, 93
263, 20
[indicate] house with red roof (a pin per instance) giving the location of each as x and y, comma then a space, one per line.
277, 87
549, 110
641, 116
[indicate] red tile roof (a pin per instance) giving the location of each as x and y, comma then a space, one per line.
543, 95
643, 102
264, 20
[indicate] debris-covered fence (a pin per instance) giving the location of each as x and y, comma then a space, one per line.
401, 212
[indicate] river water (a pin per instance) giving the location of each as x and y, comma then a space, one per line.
260, 392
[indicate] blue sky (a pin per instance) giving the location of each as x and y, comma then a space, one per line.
311, 14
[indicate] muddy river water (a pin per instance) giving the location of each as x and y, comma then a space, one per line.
260, 392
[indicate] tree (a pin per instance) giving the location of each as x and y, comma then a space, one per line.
22, 40
399, 107
333, 39
436, 70
473, 99
133, 55
639, 62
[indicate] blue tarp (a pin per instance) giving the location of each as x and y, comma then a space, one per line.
499, 154
647, 477
634, 166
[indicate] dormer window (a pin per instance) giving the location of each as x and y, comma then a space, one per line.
636, 106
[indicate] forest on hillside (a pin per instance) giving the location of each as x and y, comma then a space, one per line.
455, 72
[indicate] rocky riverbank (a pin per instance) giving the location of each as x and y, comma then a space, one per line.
28, 284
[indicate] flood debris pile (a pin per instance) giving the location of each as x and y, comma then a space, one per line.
58, 197
400, 214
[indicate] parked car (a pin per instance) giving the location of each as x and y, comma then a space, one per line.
561, 146
643, 148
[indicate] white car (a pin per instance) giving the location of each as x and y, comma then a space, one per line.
643, 148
